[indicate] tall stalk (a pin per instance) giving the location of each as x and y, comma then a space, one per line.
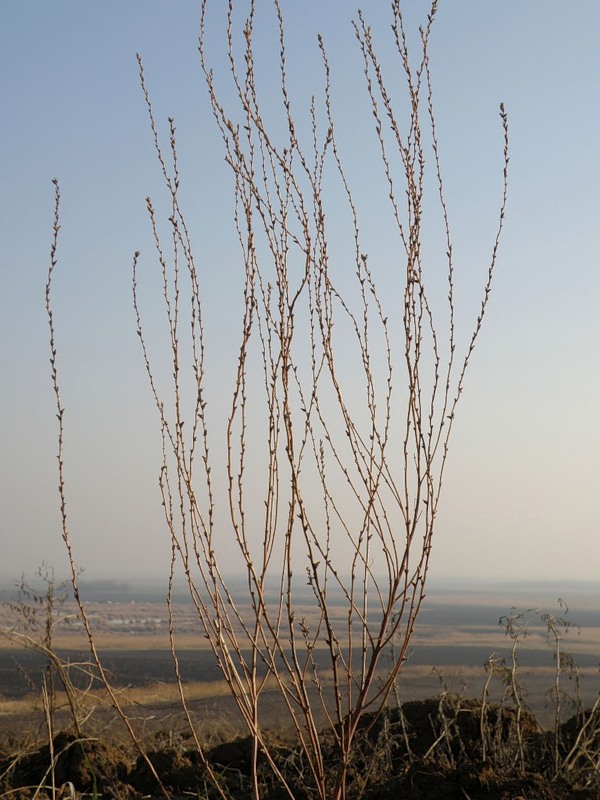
352, 465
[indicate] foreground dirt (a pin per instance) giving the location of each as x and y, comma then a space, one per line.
434, 750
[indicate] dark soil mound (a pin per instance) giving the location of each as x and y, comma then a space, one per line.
440, 749
91, 766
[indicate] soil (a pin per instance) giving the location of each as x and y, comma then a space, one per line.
433, 750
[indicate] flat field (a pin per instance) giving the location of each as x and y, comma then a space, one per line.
456, 634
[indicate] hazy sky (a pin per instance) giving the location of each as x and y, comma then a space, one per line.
521, 491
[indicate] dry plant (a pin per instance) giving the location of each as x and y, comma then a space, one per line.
577, 741
572, 748
35, 614
348, 461
557, 624
584, 754
65, 684
31, 623
502, 726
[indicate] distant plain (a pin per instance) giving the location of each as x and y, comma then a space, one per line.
458, 630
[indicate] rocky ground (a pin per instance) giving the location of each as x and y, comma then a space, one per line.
438, 748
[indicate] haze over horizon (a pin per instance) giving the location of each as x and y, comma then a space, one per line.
520, 493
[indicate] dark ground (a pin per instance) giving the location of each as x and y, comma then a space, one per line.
434, 751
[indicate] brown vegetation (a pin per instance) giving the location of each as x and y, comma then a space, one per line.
425, 750
436, 747
347, 463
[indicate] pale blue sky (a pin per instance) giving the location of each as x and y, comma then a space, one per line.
521, 490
